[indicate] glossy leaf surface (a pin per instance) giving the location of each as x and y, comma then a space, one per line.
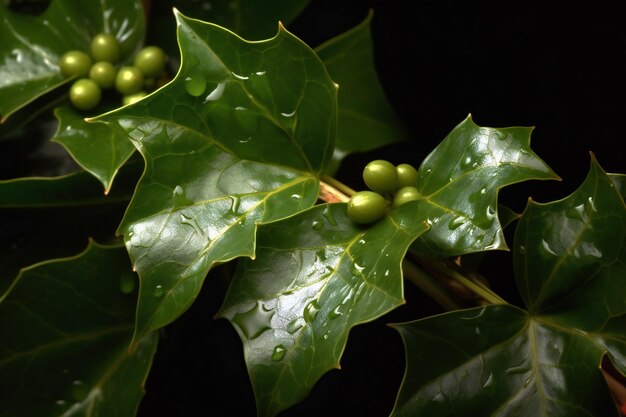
235, 140
32, 45
250, 19
96, 147
570, 266
65, 328
45, 218
459, 182
366, 119
316, 276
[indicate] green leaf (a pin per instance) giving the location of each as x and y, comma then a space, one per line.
44, 218
366, 119
619, 180
570, 266
65, 328
32, 45
250, 19
499, 361
96, 147
316, 275
235, 140
459, 181
563, 244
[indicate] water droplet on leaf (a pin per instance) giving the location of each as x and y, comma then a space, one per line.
356, 268
254, 321
158, 291
317, 224
294, 325
456, 222
327, 213
310, 311
278, 353
195, 84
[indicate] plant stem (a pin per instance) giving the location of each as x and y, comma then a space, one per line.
338, 187
425, 282
476, 287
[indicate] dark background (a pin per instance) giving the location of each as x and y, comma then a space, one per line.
556, 66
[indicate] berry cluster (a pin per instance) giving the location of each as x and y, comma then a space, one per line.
101, 70
389, 185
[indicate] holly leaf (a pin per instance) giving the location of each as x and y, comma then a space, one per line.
44, 218
366, 119
250, 19
459, 182
96, 147
316, 275
570, 266
237, 139
71, 357
32, 45
619, 180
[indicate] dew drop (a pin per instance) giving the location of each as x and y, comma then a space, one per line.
491, 212
546, 246
489, 381
466, 162
294, 325
195, 84
179, 198
336, 313
317, 224
522, 249
456, 222
296, 196
278, 353
311, 311
240, 77
591, 207
254, 321
328, 215
127, 282
577, 213
235, 202
216, 93
356, 268
79, 390
518, 369
361, 241
158, 291
246, 140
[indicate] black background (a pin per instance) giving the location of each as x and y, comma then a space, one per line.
557, 66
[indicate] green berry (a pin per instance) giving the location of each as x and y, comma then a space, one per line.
381, 176
407, 175
104, 47
129, 80
85, 94
103, 73
75, 64
366, 207
132, 98
150, 60
404, 195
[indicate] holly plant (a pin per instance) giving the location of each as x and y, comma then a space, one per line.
172, 163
